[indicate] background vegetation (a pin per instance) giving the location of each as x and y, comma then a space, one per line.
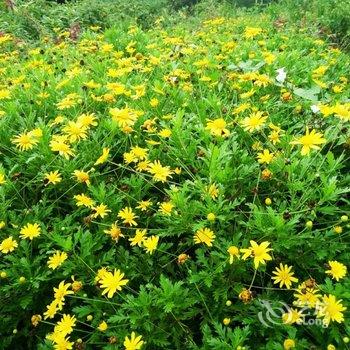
32, 19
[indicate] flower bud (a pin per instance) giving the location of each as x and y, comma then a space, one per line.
268, 201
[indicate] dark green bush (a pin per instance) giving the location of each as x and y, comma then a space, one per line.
334, 15
178, 4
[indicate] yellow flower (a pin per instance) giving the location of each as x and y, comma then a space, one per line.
342, 111
140, 90
25, 141
75, 131
100, 211
87, 119
103, 158
2, 179
58, 144
257, 251
83, 200
102, 326
151, 244
226, 321
256, 146
69, 101
284, 276
30, 231
128, 216
76, 285
274, 137
66, 324
117, 89
265, 156
204, 235
320, 71
217, 127
269, 57
241, 108
61, 292
213, 191
129, 157
92, 84
177, 171
251, 32
166, 208
143, 165
160, 173
211, 217
292, 316
326, 110
338, 229
58, 120
309, 141
111, 282
165, 133
133, 343
143, 205
123, 117
139, 152
268, 201
53, 177
60, 342
100, 273
8, 245
52, 309
331, 309
247, 94
139, 238
115, 232
288, 344
306, 296
254, 122
57, 259
233, 252
320, 83
4, 94
154, 102
82, 176
37, 133
337, 270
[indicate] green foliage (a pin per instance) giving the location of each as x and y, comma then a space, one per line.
188, 89
331, 16
35, 19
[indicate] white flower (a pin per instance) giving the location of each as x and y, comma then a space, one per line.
315, 109
281, 75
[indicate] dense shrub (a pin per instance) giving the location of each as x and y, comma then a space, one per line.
31, 20
332, 17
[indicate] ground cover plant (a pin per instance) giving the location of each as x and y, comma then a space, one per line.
183, 187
